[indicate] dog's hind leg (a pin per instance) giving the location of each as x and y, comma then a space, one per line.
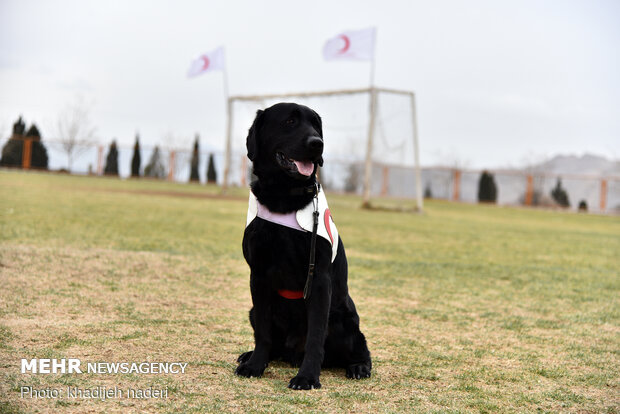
358, 359
359, 363
345, 345
359, 371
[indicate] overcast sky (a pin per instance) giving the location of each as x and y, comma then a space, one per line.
496, 81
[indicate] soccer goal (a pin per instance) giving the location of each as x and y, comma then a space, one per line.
371, 143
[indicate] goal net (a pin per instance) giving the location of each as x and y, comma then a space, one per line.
370, 140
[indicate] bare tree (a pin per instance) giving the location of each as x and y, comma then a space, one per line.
532, 161
75, 130
451, 159
181, 158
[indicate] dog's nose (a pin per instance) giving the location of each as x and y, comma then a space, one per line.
315, 143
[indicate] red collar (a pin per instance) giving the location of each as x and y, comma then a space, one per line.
291, 294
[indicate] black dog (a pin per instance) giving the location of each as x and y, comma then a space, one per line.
320, 328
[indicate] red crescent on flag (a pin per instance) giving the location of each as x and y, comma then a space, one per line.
206, 62
347, 44
327, 216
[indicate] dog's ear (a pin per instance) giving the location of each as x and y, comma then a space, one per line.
320, 121
320, 131
252, 140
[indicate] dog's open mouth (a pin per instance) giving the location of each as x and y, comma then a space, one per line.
305, 168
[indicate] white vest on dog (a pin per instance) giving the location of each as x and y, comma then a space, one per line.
301, 220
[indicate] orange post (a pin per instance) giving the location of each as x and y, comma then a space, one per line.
27, 153
603, 195
456, 188
529, 191
171, 169
386, 180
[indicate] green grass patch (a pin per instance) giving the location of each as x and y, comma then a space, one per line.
466, 308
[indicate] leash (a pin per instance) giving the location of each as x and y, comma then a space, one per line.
315, 226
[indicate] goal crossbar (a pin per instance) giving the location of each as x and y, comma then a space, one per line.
317, 94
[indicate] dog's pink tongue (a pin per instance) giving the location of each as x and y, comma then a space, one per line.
304, 167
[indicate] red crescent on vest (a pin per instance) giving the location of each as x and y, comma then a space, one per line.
206, 62
327, 216
347, 44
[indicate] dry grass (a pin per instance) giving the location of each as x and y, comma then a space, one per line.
466, 308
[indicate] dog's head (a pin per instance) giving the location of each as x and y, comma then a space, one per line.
286, 137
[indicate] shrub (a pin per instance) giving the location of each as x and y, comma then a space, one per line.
559, 195
211, 174
583, 206
487, 190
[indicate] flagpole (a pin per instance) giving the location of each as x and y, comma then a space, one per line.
371, 128
228, 125
372, 61
225, 75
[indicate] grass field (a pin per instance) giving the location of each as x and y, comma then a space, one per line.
466, 308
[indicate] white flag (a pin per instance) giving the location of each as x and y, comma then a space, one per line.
354, 45
213, 60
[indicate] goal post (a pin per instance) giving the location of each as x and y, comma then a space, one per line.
381, 122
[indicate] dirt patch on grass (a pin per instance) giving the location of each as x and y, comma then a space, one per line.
101, 305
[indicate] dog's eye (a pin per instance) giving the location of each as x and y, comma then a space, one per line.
291, 121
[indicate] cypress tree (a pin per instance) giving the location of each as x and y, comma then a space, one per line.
12, 153
135, 160
19, 127
33, 132
111, 163
193, 176
211, 174
487, 190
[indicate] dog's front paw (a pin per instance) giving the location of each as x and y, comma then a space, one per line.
359, 371
301, 382
248, 370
